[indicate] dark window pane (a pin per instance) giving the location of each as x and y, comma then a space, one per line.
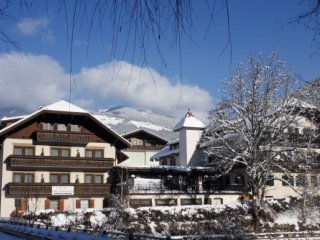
17, 178
18, 150
88, 179
64, 178
89, 153
98, 179
54, 178
54, 152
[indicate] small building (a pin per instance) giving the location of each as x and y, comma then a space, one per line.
144, 144
180, 179
58, 157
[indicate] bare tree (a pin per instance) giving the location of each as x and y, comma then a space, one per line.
249, 127
310, 19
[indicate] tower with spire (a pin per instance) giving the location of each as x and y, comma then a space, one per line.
190, 129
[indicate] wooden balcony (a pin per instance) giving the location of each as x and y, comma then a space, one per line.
34, 190
64, 138
20, 162
144, 147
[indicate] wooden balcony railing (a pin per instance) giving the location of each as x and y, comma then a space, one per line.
65, 138
35, 190
20, 162
144, 147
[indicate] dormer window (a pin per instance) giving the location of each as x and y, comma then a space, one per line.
174, 146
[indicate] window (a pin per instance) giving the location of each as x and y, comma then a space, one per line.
287, 180
84, 204
92, 178
94, 153
292, 130
301, 181
239, 180
136, 141
191, 201
47, 126
217, 201
314, 181
140, 203
54, 204
173, 162
29, 151
174, 146
59, 178
23, 177
61, 127
270, 181
74, 128
166, 202
65, 152
60, 152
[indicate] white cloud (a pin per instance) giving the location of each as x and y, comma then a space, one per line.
143, 87
31, 26
29, 81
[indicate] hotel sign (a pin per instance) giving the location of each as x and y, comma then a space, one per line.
69, 138
62, 190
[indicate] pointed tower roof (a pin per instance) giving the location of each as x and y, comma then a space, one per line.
189, 121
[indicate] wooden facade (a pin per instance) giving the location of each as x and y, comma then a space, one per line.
49, 163
142, 139
57, 156
34, 190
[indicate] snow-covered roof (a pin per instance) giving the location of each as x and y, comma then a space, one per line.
64, 107
189, 121
164, 152
146, 131
12, 118
294, 102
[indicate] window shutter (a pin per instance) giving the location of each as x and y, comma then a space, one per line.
78, 203
61, 205
91, 203
46, 204
24, 204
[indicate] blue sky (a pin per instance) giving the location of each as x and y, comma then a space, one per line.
38, 74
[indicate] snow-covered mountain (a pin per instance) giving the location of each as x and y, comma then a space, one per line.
126, 119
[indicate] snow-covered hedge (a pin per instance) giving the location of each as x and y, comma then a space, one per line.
277, 215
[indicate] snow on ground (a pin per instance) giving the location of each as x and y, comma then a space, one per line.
148, 125
290, 217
